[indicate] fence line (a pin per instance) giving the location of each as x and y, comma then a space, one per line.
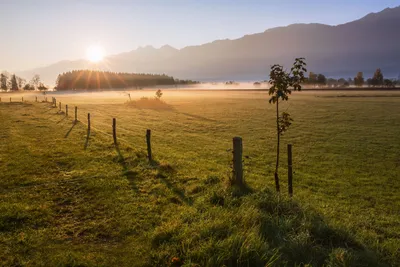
120, 140
101, 115
108, 125
237, 144
97, 130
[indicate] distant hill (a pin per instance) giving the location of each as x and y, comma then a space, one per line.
362, 45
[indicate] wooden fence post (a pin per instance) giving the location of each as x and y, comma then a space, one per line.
76, 114
114, 126
22, 99
290, 170
10, 99
88, 122
36, 99
237, 160
148, 141
59, 106
66, 110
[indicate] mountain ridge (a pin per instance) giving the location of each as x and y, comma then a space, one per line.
339, 50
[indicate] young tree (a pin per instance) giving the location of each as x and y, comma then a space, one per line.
159, 94
3, 81
312, 77
378, 78
389, 83
35, 82
21, 82
282, 83
14, 84
359, 79
321, 79
342, 81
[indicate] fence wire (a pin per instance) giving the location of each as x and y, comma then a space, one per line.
127, 143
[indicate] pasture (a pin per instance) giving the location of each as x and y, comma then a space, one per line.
70, 200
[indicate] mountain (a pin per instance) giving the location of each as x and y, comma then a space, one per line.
362, 45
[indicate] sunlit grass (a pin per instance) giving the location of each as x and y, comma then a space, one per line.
64, 205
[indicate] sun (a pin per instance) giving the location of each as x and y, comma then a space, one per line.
95, 53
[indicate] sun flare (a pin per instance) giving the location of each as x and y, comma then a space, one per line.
95, 53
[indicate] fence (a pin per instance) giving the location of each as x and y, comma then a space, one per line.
237, 151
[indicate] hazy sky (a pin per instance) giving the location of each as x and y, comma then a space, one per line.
39, 32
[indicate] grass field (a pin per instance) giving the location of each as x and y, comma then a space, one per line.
66, 200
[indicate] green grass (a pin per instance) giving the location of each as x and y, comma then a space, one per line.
64, 205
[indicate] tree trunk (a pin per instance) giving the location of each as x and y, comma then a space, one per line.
277, 148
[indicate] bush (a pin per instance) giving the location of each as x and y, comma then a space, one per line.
150, 103
159, 94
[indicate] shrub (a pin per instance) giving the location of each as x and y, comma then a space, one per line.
150, 103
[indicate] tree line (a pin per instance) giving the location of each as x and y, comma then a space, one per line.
320, 80
377, 80
90, 79
12, 82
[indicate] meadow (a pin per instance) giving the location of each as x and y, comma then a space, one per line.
70, 200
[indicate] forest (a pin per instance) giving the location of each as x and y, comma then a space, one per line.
89, 79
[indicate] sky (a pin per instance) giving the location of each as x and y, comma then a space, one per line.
37, 33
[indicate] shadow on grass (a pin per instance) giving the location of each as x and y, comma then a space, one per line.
121, 158
239, 190
70, 130
61, 120
197, 117
52, 115
47, 110
6, 103
261, 229
129, 174
87, 140
303, 236
163, 171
